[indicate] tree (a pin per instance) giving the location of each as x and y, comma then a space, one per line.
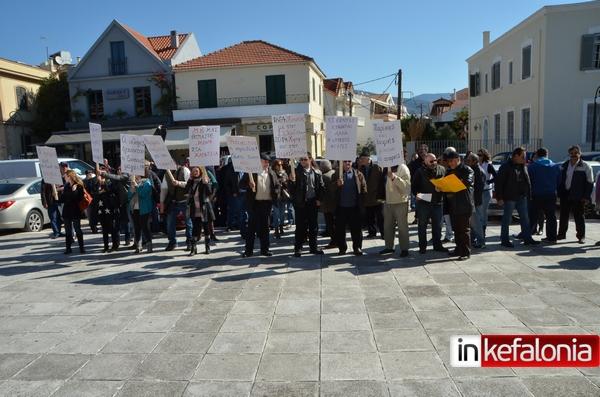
461, 123
369, 146
51, 106
167, 101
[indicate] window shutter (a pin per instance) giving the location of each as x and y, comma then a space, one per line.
472, 85
478, 83
526, 63
587, 52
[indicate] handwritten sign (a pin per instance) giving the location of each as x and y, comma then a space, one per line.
159, 152
340, 135
132, 154
289, 134
96, 140
49, 165
388, 140
204, 145
244, 153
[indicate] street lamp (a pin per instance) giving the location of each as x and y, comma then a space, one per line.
596, 95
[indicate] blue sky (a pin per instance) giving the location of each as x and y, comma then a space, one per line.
358, 41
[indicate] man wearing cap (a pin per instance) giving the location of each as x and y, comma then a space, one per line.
261, 190
375, 193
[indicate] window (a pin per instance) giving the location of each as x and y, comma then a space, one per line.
35, 188
526, 62
486, 82
496, 76
474, 84
590, 52
590, 121
207, 94
95, 105
314, 93
320, 93
22, 99
143, 102
510, 72
486, 129
497, 128
510, 127
117, 61
275, 89
525, 125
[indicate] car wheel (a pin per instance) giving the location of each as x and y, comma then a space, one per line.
34, 222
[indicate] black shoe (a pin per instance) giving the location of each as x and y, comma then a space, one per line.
549, 241
423, 250
214, 238
403, 253
581, 241
597, 244
446, 240
81, 250
317, 252
342, 252
266, 253
464, 257
170, 247
531, 242
358, 252
561, 237
441, 249
371, 235
105, 250
297, 253
247, 254
386, 251
68, 251
507, 244
207, 249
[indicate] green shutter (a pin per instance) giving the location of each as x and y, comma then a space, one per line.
587, 52
275, 89
207, 93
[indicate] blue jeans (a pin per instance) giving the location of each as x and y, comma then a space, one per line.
291, 215
55, 221
278, 214
521, 206
485, 205
174, 210
476, 222
233, 211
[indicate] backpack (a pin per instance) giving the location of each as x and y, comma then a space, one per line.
86, 201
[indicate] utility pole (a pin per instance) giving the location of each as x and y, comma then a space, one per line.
399, 112
596, 95
350, 103
421, 106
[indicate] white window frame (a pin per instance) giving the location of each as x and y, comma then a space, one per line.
528, 106
526, 43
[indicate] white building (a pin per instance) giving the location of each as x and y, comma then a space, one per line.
535, 84
373, 107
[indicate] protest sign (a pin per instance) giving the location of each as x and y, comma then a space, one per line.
204, 145
96, 140
340, 135
289, 135
159, 152
49, 165
132, 154
244, 153
449, 184
388, 141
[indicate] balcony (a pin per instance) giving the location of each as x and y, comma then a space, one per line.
117, 67
239, 107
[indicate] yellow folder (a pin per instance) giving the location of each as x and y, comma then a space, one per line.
448, 184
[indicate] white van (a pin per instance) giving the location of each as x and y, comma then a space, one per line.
29, 168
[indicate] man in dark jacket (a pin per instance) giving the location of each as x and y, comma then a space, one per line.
121, 184
431, 206
460, 205
413, 167
261, 191
545, 177
513, 190
50, 202
307, 189
375, 193
328, 202
575, 190
477, 235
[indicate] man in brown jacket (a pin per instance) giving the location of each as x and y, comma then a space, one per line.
350, 190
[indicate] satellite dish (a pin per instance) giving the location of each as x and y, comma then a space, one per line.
58, 59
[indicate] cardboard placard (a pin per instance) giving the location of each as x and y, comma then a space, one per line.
204, 145
388, 141
244, 153
289, 135
49, 165
159, 152
96, 140
132, 154
340, 136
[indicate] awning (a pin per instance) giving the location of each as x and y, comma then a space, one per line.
179, 138
84, 137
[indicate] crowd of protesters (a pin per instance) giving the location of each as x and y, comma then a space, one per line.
357, 196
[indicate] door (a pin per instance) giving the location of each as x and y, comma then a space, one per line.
275, 89
207, 93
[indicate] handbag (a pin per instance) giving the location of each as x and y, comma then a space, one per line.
85, 201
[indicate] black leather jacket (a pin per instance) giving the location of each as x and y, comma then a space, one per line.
461, 203
298, 188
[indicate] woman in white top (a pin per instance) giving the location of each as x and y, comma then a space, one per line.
488, 170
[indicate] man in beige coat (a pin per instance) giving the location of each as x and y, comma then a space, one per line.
395, 210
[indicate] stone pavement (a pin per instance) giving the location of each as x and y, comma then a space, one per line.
163, 324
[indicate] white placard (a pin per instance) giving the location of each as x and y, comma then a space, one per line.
289, 135
340, 135
96, 140
205, 145
388, 141
244, 153
132, 154
49, 165
159, 152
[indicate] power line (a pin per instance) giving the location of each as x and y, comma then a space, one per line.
377, 79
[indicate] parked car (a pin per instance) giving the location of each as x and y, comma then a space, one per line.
21, 204
590, 208
501, 157
30, 168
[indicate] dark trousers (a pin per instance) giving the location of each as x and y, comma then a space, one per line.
306, 223
198, 226
462, 232
93, 216
55, 221
259, 213
70, 226
141, 225
347, 216
124, 221
576, 207
434, 212
374, 219
330, 225
547, 207
110, 227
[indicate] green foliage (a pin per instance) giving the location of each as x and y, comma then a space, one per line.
461, 123
166, 102
369, 145
51, 106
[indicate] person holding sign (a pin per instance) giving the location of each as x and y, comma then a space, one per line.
141, 205
199, 189
397, 196
261, 190
350, 189
460, 205
72, 196
307, 189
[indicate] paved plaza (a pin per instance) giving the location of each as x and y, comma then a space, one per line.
164, 324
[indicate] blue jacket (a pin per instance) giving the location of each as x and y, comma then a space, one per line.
145, 200
545, 177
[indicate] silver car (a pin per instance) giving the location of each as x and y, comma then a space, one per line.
21, 204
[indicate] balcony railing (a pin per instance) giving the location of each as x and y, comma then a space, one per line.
243, 101
117, 67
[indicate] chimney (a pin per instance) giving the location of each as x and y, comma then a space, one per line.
174, 39
454, 95
486, 38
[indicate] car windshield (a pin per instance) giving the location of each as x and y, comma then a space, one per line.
9, 188
79, 167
